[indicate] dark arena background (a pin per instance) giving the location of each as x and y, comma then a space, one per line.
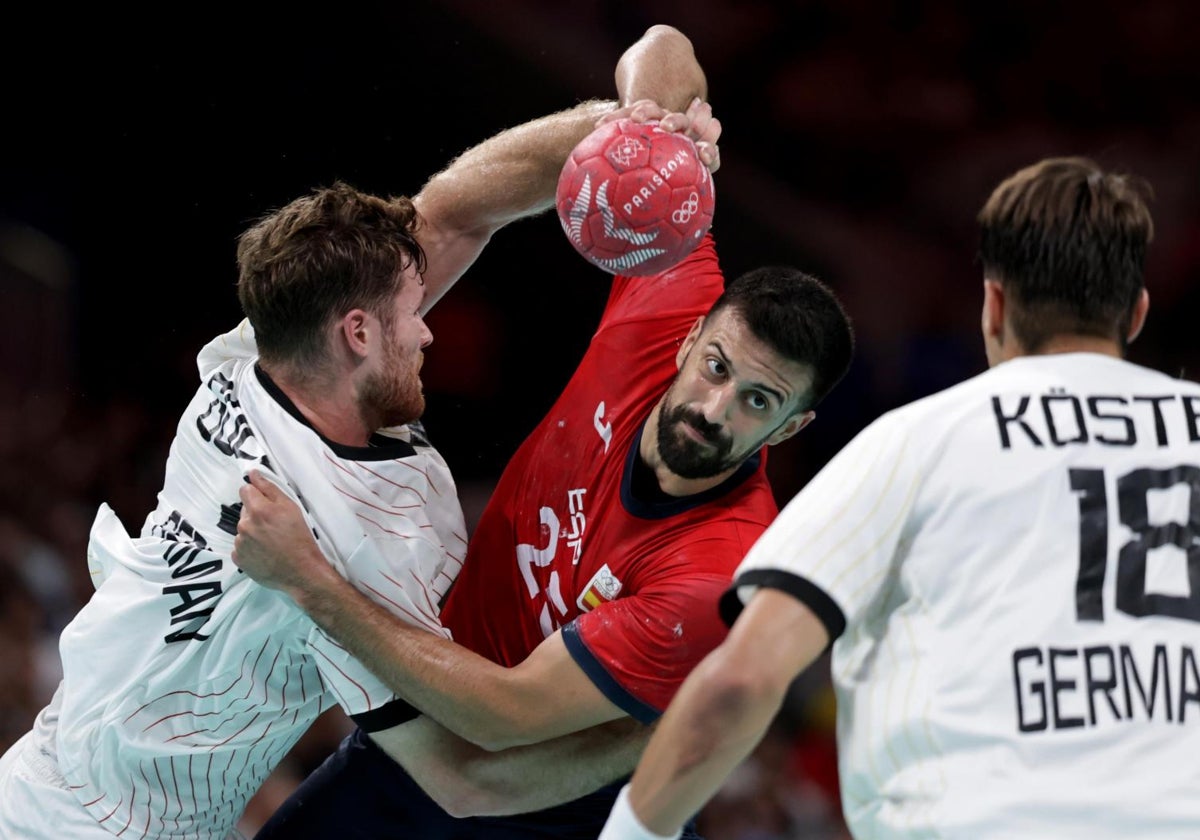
860, 138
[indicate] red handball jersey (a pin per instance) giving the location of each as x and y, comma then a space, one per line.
563, 542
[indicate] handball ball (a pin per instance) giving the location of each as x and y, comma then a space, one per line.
634, 199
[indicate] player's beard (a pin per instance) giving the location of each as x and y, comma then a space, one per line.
688, 458
394, 394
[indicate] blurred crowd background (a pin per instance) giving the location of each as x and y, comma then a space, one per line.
860, 138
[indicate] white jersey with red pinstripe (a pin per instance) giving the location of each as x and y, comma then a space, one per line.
185, 682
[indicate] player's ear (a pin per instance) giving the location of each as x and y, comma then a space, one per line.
793, 424
1137, 318
688, 341
992, 317
355, 331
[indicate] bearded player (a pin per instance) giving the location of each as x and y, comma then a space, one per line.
1008, 570
186, 683
590, 586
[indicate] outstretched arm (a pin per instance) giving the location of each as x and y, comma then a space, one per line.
514, 174
492, 706
721, 712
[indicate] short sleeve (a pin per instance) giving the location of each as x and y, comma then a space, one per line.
638, 649
834, 545
236, 345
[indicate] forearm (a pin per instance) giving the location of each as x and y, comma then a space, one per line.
661, 66
510, 175
467, 781
710, 728
722, 711
507, 177
515, 173
472, 696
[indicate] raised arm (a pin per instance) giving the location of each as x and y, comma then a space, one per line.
514, 174
505, 178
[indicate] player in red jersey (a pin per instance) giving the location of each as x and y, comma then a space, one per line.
610, 533
591, 582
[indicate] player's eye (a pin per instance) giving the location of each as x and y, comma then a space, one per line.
758, 401
715, 368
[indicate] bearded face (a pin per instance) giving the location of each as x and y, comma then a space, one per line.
689, 445
394, 392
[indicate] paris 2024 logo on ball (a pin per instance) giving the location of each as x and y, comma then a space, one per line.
634, 199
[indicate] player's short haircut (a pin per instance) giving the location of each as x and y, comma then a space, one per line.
799, 318
1067, 241
315, 259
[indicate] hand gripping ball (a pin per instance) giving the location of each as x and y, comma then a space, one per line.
634, 199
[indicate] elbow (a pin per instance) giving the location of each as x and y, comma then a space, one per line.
728, 694
668, 33
665, 30
728, 697
514, 711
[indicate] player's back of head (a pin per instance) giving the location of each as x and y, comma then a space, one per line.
315, 259
1067, 240
798, 317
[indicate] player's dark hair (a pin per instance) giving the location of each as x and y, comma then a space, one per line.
1067, 241
799, 318
314, 260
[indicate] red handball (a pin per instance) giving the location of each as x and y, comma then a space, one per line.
634, 199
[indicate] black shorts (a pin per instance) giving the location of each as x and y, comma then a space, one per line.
359, 793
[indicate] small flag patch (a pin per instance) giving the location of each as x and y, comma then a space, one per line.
603, 586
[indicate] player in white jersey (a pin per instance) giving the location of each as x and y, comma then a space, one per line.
185, 682
1010, 570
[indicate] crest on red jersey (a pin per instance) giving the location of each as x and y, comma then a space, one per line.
603, 587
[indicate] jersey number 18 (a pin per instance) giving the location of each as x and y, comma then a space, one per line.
1133, 511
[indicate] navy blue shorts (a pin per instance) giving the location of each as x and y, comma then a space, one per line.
359, 793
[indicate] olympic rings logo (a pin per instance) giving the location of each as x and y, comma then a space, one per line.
686, 210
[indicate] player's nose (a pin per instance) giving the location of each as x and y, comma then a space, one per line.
716, 403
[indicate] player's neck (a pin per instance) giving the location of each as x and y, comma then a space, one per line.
330, 409
679, 487
340, 423
1069, 344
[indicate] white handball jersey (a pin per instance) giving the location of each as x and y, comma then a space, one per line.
1016, 561
185, 682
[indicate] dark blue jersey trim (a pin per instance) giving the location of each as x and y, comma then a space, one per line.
604, 681
805, 591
